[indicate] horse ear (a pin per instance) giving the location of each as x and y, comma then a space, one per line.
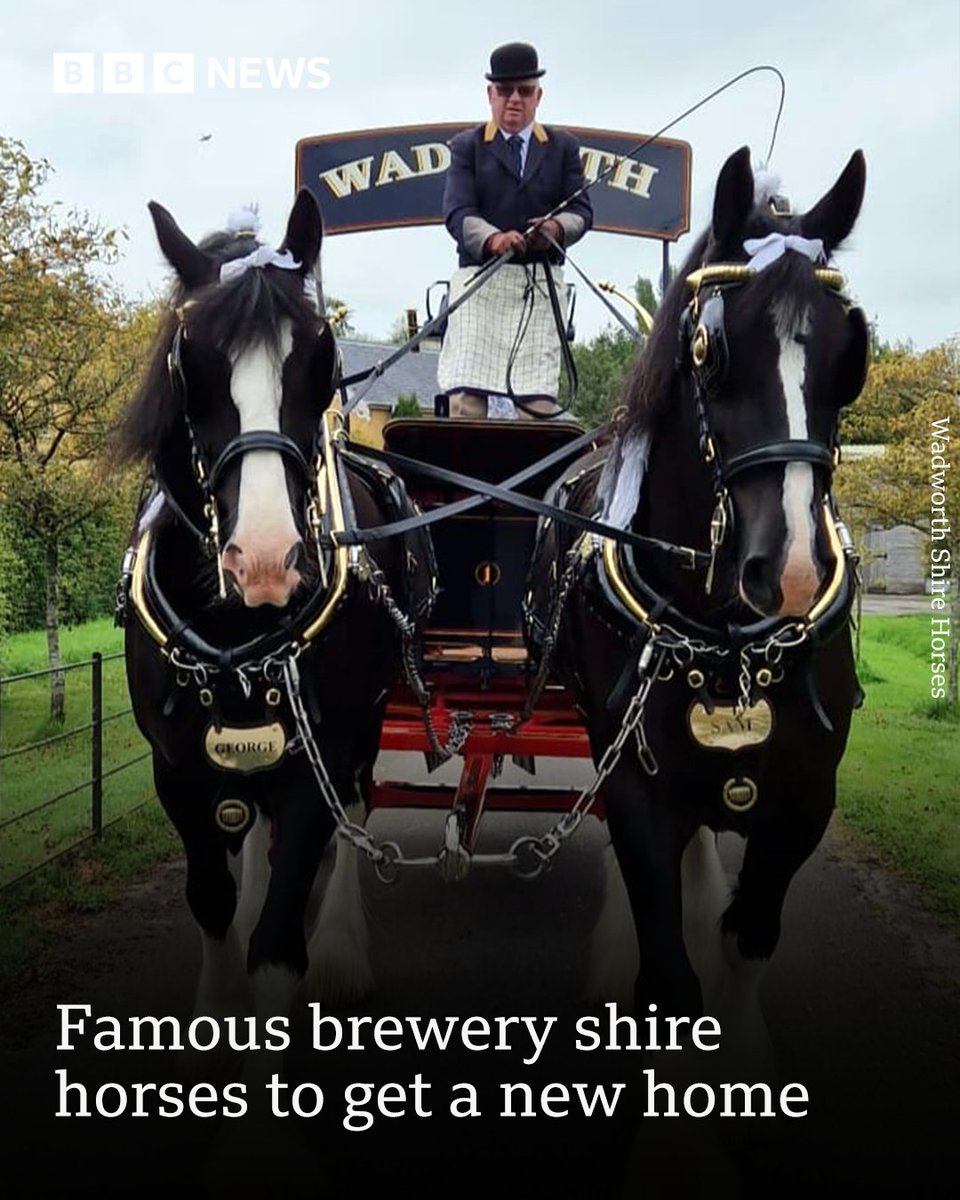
304, 230
733, 199
852, 369
192, 265
836, 214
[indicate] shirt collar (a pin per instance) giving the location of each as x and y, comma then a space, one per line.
525, 133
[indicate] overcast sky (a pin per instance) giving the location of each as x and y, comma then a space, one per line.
883, 75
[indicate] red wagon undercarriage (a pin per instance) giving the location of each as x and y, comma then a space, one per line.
474, 660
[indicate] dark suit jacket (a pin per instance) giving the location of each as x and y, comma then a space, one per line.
483, 195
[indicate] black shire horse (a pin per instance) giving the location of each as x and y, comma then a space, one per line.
718, 649
260, 647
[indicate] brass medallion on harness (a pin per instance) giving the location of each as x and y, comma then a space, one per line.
245, 748
726, 728
232, 816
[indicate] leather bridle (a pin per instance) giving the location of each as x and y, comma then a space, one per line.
208, 479
703, 351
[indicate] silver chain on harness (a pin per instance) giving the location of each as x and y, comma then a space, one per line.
355, 834
528, 856
379, 591
541, 851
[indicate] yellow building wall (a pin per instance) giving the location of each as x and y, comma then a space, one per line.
369, 430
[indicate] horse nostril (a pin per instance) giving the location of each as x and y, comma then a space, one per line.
295, 556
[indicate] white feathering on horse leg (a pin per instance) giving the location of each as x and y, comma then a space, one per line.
745, 1045
261, 1155
706, 895
254, 880
223, 989
614, 958
339, 972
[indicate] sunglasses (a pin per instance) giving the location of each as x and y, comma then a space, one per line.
524, 90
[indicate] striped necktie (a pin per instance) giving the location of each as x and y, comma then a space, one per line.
516, 149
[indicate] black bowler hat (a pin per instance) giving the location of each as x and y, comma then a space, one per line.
515, 60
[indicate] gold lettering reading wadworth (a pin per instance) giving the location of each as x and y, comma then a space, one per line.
630, 176
245, 749
633, 177
430, 158
725, 729
392, 167
350, 177
595, 161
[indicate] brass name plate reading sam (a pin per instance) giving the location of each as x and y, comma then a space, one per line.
245, 749
723, 729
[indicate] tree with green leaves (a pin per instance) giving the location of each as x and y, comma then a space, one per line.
898, 380
602, 365
407, 405
69, 351
914, 482
644, 291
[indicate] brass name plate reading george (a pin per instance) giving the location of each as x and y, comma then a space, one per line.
246, 748
724, 729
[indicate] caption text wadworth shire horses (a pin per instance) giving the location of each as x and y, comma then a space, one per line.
260, 650
727, 676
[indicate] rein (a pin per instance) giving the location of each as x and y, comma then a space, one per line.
690, 559
566, 354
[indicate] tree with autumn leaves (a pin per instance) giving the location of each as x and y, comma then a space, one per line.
910, 404
70, 351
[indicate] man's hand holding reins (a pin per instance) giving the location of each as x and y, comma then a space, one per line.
500, 243
538, 233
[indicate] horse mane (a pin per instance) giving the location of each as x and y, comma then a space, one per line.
650, 384
249, 309
651, 378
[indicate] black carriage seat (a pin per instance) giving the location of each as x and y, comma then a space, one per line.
482, 555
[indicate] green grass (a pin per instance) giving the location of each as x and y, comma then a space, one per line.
28, 651
85, 876
34, 827
898, 784
94, 875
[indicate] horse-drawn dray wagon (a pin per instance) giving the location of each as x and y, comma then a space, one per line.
676, 608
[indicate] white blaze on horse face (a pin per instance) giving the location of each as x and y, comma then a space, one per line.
265, 536
799, 579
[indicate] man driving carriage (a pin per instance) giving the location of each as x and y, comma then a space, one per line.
504, 177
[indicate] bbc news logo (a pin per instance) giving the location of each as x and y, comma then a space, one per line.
131, 74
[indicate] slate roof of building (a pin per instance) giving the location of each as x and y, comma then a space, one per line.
416, 372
